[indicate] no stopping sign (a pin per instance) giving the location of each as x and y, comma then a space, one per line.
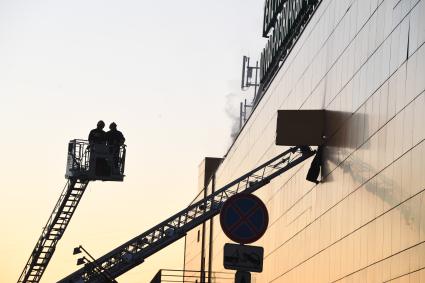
244, 218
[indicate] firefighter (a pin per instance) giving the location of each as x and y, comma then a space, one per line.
115, 140
98, 135
113, 136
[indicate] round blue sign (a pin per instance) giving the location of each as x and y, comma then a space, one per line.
244, 218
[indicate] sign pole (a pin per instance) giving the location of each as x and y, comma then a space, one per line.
242, 277
244, 219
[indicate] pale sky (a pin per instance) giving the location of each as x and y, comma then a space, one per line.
162, 70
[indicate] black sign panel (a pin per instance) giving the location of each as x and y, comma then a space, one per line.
243, 257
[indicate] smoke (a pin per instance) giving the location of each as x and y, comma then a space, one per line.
232, 111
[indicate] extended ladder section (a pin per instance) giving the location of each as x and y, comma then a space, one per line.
85, 163
135, 251
53, 231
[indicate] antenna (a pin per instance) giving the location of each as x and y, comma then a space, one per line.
249, 79
243, 113
247, 74
245, 62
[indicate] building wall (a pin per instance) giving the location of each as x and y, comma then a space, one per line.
194, 242
364, 61
197, 241
193, 250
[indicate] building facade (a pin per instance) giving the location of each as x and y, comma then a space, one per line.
363, 61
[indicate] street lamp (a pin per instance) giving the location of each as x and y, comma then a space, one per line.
91, 260
82, 260
77, 250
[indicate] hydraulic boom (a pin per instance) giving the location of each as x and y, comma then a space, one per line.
135, 251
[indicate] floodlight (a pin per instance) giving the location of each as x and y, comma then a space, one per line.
81, 260
77, 250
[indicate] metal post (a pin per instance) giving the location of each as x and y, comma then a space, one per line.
256, 82
203, 242
184, 257
244, 113
210, 250
240, 115
242, 277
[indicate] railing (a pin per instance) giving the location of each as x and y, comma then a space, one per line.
78, 155
81, 155
190, 276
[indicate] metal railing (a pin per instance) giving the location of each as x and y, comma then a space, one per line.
81, 154
190, 276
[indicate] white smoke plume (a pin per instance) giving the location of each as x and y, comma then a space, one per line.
233, 112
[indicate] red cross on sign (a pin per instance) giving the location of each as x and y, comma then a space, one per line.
244, 218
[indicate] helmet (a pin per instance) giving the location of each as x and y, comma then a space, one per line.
112, 126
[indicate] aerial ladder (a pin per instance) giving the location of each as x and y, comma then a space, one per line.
85, 163
135, 251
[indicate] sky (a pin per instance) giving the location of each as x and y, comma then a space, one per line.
167, 72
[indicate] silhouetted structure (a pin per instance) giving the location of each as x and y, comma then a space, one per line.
315, 167
135, 251
86, 162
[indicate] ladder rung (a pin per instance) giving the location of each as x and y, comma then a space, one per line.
64, 218
57, 229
